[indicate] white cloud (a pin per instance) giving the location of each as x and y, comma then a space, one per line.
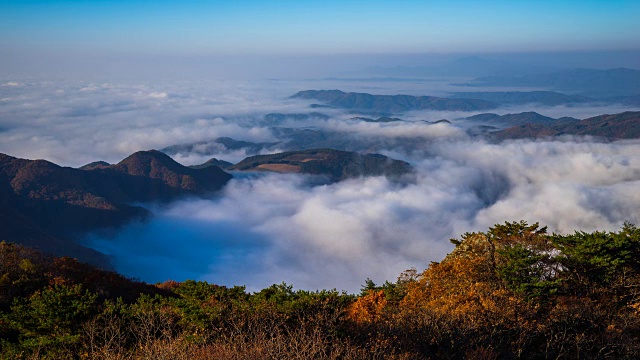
158, 95
76, 123
338, 235
274, 228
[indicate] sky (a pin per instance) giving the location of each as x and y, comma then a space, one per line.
110, 40
317, 27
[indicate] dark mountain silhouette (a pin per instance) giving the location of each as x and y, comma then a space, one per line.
335, 164
19, 223
618, 126
529, 117
391, 103
46, 205
44, 270
547, 98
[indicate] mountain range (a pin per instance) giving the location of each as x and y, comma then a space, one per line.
470, 66
529, 117
546, 98
290, 139
51, 207
278, 117
391, 103
47, 206
612, 127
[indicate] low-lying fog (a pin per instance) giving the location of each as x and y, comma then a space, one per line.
271, 228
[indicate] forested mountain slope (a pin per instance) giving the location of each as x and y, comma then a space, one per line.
514, 291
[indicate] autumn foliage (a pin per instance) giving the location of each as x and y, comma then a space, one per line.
512, 292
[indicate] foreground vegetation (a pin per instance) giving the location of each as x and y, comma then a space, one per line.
512, 292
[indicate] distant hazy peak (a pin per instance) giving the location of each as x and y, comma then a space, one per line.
391, 103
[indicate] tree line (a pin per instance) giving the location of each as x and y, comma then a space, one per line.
514, 291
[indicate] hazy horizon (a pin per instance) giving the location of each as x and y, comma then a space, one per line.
296, 39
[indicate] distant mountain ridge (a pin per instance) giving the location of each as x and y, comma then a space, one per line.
470, 66
601, 84
277, 117
290, 139
391, 103
624, 125
213, 162
529, 117
547, 98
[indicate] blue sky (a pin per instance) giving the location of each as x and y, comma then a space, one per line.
307, 27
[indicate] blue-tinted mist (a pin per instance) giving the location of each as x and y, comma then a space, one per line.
180, 249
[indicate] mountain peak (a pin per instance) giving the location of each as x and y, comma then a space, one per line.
95, 165
147, 163
145, 155
46, 205
158, 165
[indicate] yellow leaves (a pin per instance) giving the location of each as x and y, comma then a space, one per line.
465, 286
27, 266
368, 308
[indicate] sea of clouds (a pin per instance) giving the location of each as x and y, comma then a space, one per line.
271, 228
